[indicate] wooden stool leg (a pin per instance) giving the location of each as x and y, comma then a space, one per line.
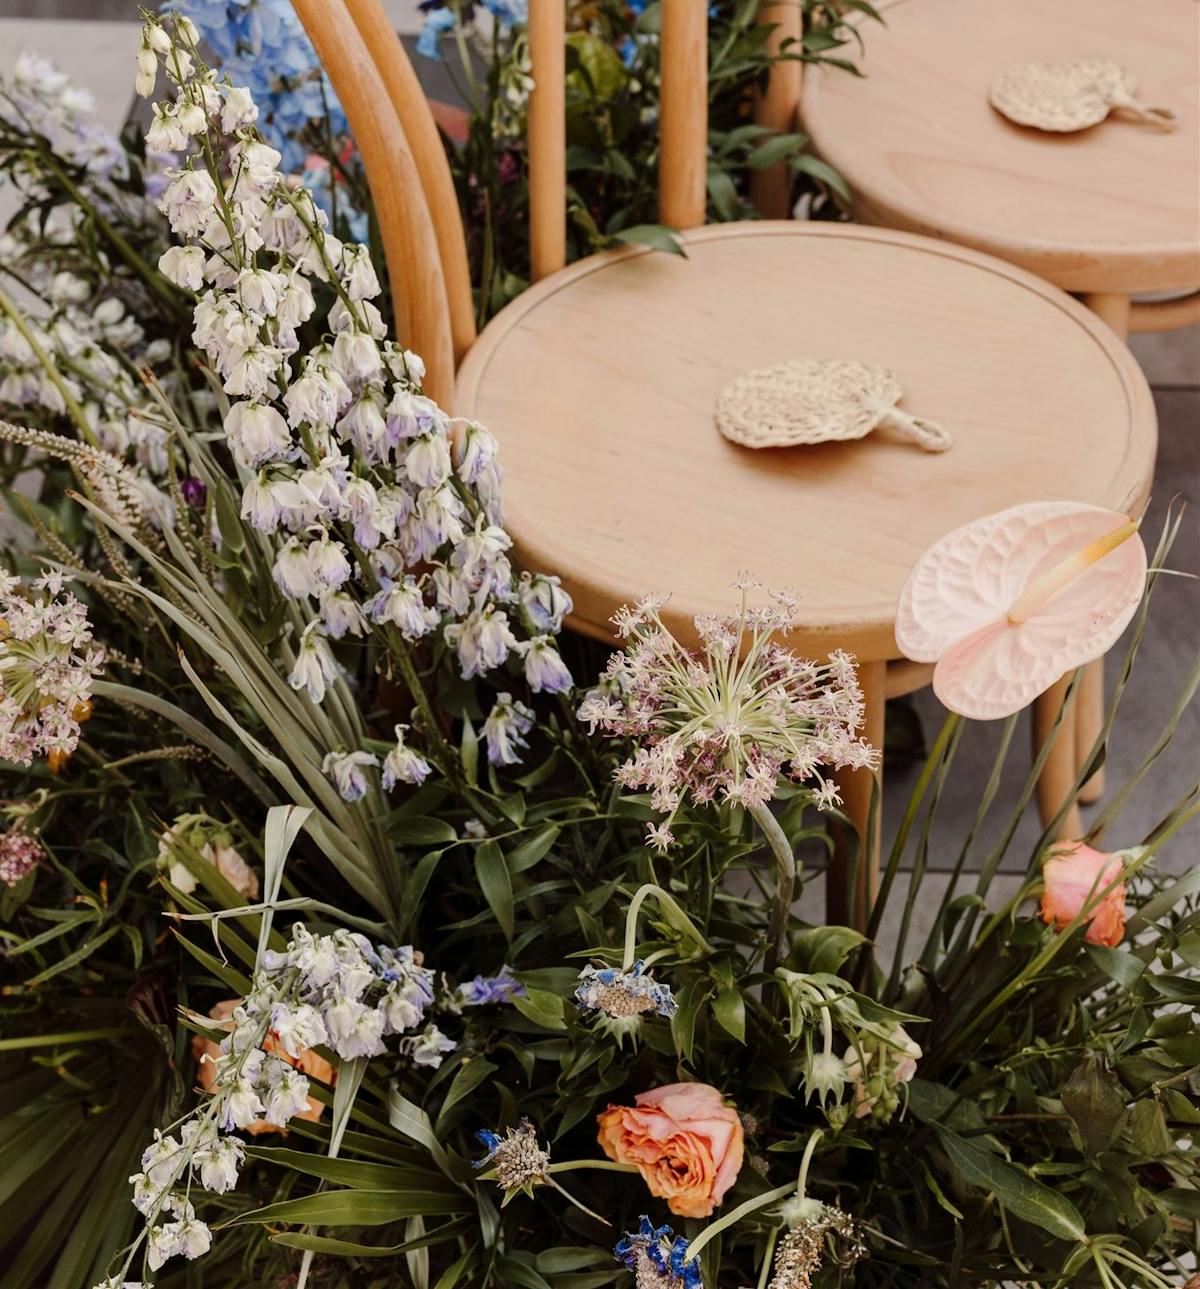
1058, 774
1089, 696
845, 906
1089, 721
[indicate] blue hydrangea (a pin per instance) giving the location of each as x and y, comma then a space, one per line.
659, 1258
486, 991
262, 45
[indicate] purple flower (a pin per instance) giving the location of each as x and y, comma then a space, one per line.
486, 991
194, 492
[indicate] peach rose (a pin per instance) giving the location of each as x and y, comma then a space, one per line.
1074, 873
308, 1062
684, 1140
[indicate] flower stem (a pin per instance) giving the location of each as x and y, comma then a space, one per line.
813, 1141
736, 1215
669, 905
784, 885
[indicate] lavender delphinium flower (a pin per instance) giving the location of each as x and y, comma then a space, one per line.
383, 519
486, 991
261, 45
339, 991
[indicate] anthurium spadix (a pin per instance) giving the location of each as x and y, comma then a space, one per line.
1007, 604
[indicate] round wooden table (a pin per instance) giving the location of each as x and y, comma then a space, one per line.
1114, 209
600, 384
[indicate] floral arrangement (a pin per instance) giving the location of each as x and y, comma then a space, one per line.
355, 935
612, 132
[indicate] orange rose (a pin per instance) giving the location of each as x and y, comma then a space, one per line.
308, 1062
1073, 874
684, 1140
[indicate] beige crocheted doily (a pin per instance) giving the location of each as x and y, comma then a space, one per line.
810, 401
1071, 95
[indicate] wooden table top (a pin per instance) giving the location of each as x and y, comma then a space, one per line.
1112, 208
600, 384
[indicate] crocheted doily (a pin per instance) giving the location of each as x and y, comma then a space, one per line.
809, 401
1071, 95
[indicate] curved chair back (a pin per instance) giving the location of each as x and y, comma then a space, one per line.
416, 206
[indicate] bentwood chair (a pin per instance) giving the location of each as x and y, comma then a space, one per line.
600, 380
1106, 213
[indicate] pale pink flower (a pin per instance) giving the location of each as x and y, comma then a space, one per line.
1007, 604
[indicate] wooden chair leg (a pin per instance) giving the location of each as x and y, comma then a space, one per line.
849, 885
1089, 720
1058, 774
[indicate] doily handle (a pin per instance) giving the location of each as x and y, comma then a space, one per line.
1162, 118
926, 434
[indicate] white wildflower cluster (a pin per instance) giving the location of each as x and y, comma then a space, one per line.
47, 664
78, 325
387, 514
879, 1056
337, 991
729, 723
197, 837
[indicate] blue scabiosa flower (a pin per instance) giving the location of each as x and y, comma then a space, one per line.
621, 998
486, 991
658, 1258
515, 1161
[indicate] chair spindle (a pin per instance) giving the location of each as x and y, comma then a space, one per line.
778, 106
547, 138
683, 148
414, 266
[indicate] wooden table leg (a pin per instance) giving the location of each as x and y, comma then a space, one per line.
853, 875
1089, 721
1089, 695
1058, 774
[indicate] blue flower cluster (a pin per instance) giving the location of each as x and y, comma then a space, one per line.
485, 991
441, 17
262, 45
619, 993
658, 1251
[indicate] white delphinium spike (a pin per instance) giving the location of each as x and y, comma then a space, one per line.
365, 477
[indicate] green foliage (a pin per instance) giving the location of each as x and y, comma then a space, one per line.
613, 78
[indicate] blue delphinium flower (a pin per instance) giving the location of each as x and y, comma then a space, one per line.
485, 991
658, 1258
621, 998
262, 45
440, 18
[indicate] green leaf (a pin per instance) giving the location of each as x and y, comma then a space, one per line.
824, 948
657, 236
1023, 1197
347, 1249
229, 523
496, 884
543, 1008
825, 174
356, 1174
533, 848
1148, 1131
729, 1007
779, 148
1092, 1096
354, 1208
1117, 964
423, 830
470, 1075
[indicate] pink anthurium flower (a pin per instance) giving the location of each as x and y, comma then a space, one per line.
1007, 604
